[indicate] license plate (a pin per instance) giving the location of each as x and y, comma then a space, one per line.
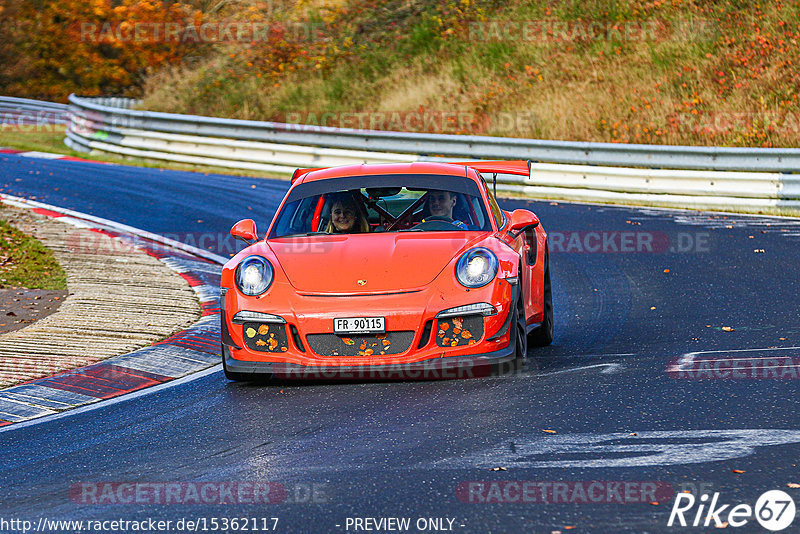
359, 325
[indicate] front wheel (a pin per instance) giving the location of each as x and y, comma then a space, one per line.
543, 335
520, 328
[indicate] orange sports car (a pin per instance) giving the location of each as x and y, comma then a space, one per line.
386, 270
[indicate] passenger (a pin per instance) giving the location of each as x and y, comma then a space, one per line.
440, 207
345, 217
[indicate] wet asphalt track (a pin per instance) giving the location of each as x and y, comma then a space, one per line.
401, 449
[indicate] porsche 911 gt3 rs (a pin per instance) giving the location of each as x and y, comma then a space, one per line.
397, 266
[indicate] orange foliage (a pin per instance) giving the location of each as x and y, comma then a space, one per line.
51, 48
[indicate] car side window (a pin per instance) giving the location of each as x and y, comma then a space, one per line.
496, 211
297, 221
478, 213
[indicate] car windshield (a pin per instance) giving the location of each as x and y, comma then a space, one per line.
385, 203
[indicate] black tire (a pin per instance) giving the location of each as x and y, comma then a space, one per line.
520, 330
543, 335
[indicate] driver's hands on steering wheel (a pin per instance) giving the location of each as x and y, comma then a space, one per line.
436, 222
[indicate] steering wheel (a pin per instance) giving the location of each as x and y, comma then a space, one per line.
435, 222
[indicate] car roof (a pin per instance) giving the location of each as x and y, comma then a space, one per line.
422, 167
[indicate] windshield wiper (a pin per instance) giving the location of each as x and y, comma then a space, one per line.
306, 234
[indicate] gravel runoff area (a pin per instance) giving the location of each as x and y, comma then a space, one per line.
119, 299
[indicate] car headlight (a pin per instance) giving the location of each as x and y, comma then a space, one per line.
476, 267
254, 275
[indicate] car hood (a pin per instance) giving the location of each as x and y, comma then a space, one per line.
367, 263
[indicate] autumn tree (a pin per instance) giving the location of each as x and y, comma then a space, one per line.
51, 48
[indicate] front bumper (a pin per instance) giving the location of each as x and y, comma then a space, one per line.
470, 366
440, 357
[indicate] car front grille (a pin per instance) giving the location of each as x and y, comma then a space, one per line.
361, 345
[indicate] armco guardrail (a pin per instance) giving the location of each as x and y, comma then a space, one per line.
24, 112
657, 175
747, 191
452, 146
188, 139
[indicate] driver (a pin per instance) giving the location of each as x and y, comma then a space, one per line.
440, 207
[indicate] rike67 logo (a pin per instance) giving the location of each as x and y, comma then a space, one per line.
774, 510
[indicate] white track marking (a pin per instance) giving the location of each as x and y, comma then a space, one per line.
608, 368
605, 450
691, 358
115, 400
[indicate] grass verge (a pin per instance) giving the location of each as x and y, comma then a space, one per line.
25, 262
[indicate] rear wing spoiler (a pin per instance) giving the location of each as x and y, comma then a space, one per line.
520, 168
300, 172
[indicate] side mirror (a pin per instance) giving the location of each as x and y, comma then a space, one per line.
521, 219
245, 230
